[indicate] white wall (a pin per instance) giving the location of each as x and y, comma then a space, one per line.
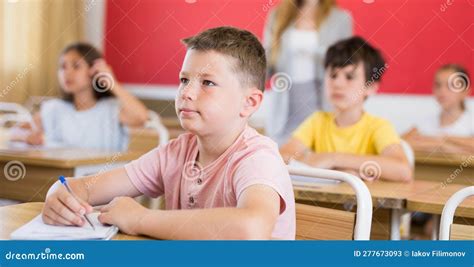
95, 22
402, 110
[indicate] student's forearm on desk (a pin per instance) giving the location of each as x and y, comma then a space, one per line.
218, 223
254, 217
465, 144
391, 168
444, 144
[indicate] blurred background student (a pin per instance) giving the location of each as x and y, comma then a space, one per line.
94, 111
296, 36
452, 129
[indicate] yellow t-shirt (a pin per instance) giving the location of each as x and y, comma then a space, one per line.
369, 136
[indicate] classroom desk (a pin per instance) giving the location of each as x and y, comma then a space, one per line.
433, 201
26, 175
388, 196
12, 217
173, 123
444, 167
147, 139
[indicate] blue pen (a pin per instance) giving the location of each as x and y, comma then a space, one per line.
64, 182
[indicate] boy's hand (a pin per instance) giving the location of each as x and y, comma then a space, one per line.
320, 160
125, 213
61, 208
35, 138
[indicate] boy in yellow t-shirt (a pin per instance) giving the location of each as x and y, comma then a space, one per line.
350, 139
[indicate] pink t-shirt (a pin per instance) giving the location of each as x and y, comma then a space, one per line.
252, 159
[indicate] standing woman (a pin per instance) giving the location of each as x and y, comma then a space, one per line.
296, 37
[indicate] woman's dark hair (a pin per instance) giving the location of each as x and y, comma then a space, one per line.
90, 54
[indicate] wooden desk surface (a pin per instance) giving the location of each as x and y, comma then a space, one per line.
174, 123
444, 167
446, 159
65, 157
384, 194
433, 201
171, 122
151, 133
12, 217
30, 179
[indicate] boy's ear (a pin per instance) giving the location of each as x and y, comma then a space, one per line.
252, 101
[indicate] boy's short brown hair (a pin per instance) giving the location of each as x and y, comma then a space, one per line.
239, 44
353, 51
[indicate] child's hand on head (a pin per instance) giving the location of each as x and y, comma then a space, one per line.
101, 66
125, 213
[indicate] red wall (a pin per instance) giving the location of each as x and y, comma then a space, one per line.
142, 37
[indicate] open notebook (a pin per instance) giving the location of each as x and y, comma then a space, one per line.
37, 230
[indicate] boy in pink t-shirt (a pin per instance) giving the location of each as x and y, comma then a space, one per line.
221, 180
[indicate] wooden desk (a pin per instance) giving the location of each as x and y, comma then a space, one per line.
389, 200
433, 201
147, 139
388, 195
13, 217
26, 175
444, 167
173, 123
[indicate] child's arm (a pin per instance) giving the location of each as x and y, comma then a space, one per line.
449, 144
392, 161
295, 149
254, 218
461, 144
133, 112
31, 133
61, 208
421, 142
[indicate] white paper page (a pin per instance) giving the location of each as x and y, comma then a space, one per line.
37, 230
